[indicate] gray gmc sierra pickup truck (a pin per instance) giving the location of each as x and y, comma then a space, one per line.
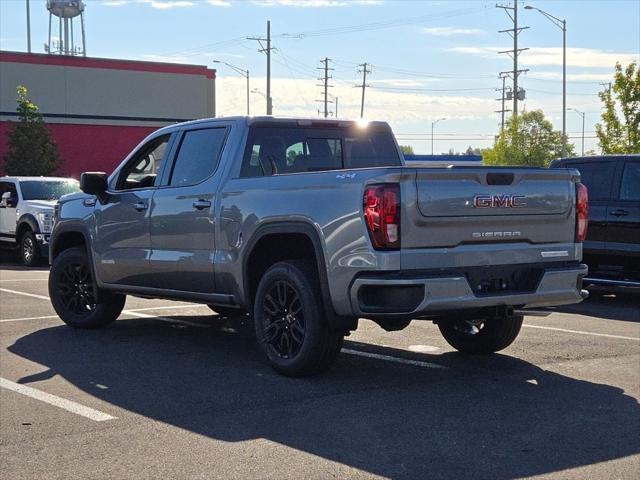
310, 225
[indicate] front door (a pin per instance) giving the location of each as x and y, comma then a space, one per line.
122, 221
8, 218
182, 216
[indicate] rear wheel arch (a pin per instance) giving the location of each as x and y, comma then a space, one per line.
282, 241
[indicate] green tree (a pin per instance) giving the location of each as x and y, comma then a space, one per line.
31, 150
619, 131
407, 149
529, 140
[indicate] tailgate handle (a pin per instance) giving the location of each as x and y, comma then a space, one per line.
499, 178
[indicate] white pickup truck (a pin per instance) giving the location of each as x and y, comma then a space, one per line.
26, 213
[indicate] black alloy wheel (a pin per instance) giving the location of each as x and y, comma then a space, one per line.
290, 320
76, 289
73, 292
283, 319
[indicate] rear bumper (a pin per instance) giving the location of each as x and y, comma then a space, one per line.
439, 294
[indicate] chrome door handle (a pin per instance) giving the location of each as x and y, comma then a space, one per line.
201, 204
619, 213
140, 206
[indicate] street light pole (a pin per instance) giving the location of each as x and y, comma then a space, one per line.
432, 125
244, 73
562, 25
582, 114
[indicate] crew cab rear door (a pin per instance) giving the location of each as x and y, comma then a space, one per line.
182, 216
598, 176
623, 227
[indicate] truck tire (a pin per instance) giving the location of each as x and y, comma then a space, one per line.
488, 336
29, 251
289, 320
71, 289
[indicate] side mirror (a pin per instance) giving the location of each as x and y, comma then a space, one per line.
8, 201
93, 183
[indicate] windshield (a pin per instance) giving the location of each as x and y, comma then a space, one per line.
48, 190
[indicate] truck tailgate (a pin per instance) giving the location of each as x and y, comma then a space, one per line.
457, 206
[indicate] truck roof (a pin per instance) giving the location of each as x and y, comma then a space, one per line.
302, 121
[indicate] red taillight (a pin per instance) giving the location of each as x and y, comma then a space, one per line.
582, 212
382, 215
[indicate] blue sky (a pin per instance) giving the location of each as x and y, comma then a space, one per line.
430, 59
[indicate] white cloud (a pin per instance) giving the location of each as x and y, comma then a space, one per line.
449, 31
219, 3
166, 4
115, 3
576, 57
293, 97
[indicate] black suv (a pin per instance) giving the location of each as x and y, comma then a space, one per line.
612, 247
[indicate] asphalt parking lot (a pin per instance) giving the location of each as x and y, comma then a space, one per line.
172, 390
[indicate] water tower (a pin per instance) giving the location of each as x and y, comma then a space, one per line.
66, 11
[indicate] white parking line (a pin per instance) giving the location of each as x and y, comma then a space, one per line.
24, 319
580, 332
41, 297
389, 358
47, 317
59, 402
25, 280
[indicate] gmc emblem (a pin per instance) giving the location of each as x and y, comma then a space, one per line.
499, 201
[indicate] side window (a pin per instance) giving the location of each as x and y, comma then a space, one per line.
597, 176
273, 151
198, 156
630, 185
376, 149
143, 170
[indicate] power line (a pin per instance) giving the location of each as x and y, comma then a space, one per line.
380, 25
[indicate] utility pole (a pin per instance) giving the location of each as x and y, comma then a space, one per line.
502, 99
335, 115
325, 85
28, 28
607, 86
266, 50
512, 12
365, 69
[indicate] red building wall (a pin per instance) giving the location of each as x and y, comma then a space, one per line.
98, 109
83, 148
